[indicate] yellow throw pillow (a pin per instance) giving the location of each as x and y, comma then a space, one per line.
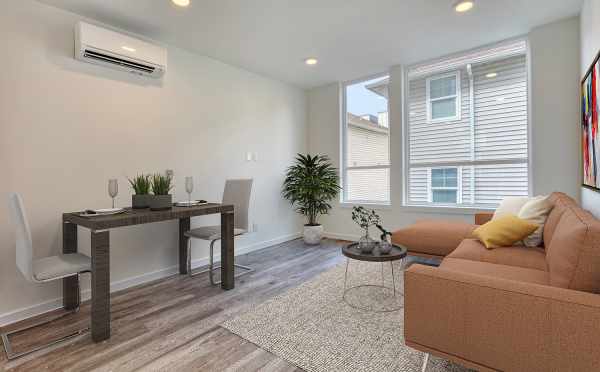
504, 231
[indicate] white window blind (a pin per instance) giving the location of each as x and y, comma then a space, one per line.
486, 145
366, 149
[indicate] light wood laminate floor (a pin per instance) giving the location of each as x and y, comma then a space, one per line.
173, 324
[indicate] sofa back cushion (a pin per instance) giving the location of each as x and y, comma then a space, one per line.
561, 202
573, 251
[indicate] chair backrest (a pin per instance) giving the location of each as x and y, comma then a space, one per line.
24, 246
237, 192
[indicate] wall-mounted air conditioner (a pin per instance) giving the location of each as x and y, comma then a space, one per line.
108, 48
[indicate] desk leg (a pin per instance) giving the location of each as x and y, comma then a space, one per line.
184, 226
100, 285
70, 284
227, 251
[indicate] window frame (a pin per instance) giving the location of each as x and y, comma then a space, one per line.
344, 143
457, 97
431, 188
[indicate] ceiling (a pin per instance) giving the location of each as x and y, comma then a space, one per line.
351, 38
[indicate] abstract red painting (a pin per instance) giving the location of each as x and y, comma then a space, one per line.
589, 126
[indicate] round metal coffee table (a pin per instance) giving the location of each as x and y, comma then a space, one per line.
352, 251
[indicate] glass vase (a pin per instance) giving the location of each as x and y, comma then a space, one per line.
366, 244
385, 247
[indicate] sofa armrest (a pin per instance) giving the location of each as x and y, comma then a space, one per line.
501, 324
433, 237
483, 217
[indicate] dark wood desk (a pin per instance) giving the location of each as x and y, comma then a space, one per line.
100, 251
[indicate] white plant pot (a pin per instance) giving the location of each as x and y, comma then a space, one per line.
313, 234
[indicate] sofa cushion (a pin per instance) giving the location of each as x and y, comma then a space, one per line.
520, 274
573, 255
536, 210
510, 205
433, 237
561, 202
519, 256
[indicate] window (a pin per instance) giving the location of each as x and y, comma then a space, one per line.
444, 186
365, 142
443, 97
466, 128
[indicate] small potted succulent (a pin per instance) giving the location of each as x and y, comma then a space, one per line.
365, 218
141, 187
161, 186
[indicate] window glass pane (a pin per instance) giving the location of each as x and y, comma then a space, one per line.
437, 178
367, 131
444, 177
368, 185
444, 196
491, 156
367, 140
450, 177
445, 108
442, 87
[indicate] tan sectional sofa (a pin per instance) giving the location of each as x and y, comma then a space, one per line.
512, 308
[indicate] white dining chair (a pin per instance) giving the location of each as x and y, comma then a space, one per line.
237, 192
40, 271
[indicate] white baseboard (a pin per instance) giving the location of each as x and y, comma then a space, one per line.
37, 309
348, 237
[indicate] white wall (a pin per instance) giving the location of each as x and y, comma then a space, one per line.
555, 107
555, 114
67, 127
590, 45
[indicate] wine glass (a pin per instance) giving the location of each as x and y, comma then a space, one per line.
189, 187
113, 189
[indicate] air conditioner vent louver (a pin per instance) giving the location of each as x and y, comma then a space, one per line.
117, 61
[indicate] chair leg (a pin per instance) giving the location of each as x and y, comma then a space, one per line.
10, 355
425, 361
247, 268
211, 267
210, 263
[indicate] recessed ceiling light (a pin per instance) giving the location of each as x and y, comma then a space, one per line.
464, 5
181, 2
491, 75
129, 49
311, 61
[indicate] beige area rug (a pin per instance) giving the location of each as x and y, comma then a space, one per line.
312, 327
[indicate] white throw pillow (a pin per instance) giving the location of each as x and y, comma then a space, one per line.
510, 205
536, 210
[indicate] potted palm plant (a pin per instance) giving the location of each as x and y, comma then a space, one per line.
141, 186
310, 184
161, 185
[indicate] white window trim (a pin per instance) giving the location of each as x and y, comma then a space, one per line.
457, 96
458, 187
343, 137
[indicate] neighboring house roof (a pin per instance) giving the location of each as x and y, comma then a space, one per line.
380, 87
357, 121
